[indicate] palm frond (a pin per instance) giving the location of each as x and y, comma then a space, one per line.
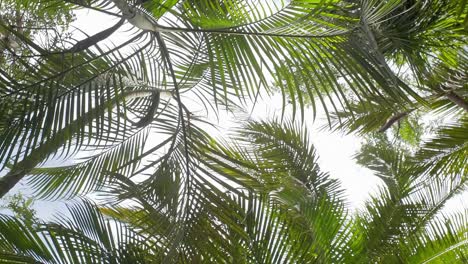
410, 201
444, 240
446, 153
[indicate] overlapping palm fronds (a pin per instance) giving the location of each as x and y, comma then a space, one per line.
408, 211
232, 50
294, 213
446, 153
262, 197
86, 237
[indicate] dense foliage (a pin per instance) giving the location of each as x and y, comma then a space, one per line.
112, 108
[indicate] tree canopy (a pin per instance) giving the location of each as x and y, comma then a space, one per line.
118, 111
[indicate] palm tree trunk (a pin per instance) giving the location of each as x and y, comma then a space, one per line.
392, 120
440, 88
24, 167
9, 181
458, 100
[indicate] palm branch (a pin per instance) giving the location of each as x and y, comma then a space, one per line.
408, 207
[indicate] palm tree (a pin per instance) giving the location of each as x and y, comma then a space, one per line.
292, 214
